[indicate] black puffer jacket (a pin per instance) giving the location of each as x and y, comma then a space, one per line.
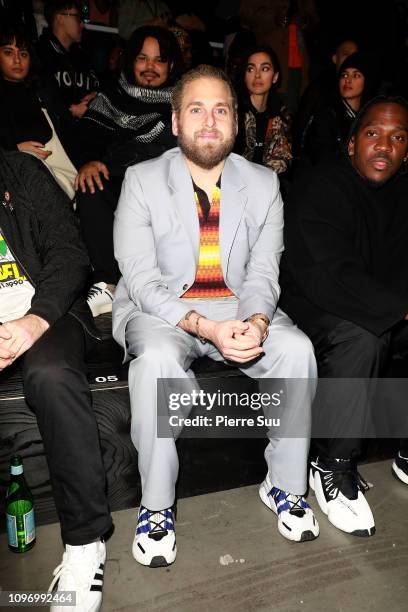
41, 229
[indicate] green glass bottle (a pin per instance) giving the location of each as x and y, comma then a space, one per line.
19, 509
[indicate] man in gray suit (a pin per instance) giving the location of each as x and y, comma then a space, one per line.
198, 239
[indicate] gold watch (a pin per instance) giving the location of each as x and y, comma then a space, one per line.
260, 317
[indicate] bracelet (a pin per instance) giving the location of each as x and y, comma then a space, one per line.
188, 314
199, 336
264, 319
260, 316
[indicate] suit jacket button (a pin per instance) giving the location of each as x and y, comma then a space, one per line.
185, 287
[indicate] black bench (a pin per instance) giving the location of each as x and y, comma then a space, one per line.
205, 464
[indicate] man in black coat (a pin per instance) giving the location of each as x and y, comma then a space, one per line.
46, 327
344, 283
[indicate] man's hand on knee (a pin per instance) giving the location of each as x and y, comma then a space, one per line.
89, 176
23, 333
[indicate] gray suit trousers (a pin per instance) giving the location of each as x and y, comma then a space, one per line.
163, 351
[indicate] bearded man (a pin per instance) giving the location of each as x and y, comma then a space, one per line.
129, 122
198, 239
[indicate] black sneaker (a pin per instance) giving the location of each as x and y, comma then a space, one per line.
339, 491
400, 468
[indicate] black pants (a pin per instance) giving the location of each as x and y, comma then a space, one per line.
350, 352
96, 214
56, 388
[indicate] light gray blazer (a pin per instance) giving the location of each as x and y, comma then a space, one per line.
157, 238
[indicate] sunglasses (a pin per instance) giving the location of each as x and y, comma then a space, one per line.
77, 16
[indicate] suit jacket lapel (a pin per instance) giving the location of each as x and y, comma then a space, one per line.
233, 203
181, 187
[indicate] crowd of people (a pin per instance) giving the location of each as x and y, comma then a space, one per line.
150, 190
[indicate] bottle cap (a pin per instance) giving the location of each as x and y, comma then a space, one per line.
16, 465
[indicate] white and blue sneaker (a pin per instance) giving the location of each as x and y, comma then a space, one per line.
296, 520
155, 539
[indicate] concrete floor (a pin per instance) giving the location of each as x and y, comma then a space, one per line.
336, 572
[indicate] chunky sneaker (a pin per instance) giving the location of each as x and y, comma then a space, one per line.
100, 299
400, 468
81, 571
155, 538
296, 520
339, 491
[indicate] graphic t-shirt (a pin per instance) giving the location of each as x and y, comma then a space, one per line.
16, 291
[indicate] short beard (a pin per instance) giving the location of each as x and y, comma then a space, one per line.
205, 157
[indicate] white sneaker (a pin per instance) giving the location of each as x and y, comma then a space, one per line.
400, 468
296, 520
81, 571
100, 299
155, 539
339, 491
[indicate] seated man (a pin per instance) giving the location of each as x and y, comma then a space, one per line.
344, 283
62, 57
198, 238
127, 123
47, 328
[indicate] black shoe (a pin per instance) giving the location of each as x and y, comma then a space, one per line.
400, 468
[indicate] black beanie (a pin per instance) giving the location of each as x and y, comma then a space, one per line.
358, 61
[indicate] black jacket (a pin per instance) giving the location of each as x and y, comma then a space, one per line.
327, 131
70, 68
345, 250
41, 229
48, 97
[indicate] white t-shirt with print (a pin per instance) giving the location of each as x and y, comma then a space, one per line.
16, 291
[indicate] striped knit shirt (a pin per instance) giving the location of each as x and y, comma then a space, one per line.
209, 281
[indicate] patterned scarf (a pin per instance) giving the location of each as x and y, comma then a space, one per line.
139, 112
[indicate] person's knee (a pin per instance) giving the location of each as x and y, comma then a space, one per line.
368, 344
293, 357
297, 347
45, 377
162, 353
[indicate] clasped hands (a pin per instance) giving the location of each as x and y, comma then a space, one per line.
238, 341
17, 336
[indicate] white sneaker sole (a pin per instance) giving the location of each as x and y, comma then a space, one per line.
101, 310
316, 486
163, 560
399, 474
305, 536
